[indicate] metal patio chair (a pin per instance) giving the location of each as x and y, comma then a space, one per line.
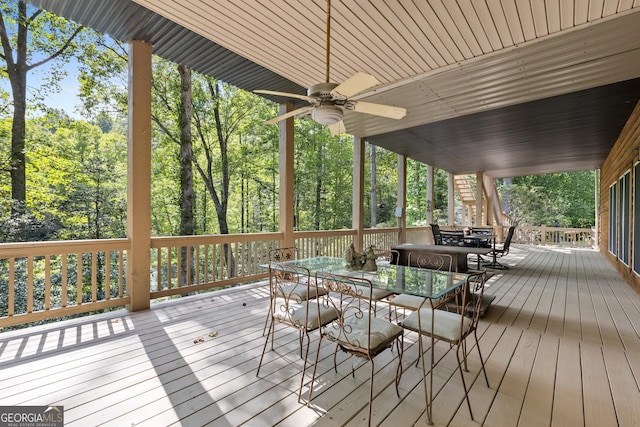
452, 328
356, 330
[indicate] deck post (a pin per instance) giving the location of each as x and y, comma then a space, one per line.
479, 199
139, 176
357, 216
452, 201
401, 212
286, 172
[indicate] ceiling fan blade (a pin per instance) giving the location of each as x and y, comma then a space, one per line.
379, 109
297, 112
286, 95
337, 128
354, 85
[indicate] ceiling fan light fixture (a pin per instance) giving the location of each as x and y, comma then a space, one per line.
329, 100
327, 114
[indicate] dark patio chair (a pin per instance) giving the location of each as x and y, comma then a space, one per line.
500, 251
435, 229
504, 250
452, 237
483, 230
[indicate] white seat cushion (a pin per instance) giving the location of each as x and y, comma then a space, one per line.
411, 302
376, 293
355, 332
299, 292
298, 314
446, 324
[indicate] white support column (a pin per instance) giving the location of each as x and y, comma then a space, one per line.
490, 204
357, 220
452, 201
430, 178
401, 212
596, 200
139, 176
286, 173
479, 199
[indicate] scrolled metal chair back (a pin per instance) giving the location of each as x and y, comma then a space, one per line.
350, 297
433, 261
473, 301
289, 301
283, 254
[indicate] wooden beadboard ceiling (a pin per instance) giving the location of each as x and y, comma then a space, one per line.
393, 40
445, 61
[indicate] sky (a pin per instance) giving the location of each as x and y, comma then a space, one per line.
67, 99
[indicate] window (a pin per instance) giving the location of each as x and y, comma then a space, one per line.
636, 218
624, 216
613, 220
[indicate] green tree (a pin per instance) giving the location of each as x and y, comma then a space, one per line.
417, 191
562, 199
219, 111
30, 38
172, 115
386, 187
91, 189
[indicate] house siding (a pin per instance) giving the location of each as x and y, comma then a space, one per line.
621, 159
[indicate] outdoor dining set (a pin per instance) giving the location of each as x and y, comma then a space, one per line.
364, 312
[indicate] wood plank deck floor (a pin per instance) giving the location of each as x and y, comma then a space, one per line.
561, 346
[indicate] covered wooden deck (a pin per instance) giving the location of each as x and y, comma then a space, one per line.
561, 345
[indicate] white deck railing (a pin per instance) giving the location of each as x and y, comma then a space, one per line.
44, 280
575, 237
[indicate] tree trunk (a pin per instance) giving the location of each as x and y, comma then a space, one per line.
18, 130
187, 200
187, 195
17, 72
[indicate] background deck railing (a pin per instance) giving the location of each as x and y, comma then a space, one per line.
575, 237
45, 280
327, 243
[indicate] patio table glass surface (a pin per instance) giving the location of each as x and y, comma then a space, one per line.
416, 281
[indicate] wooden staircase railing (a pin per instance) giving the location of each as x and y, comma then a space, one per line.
465, 186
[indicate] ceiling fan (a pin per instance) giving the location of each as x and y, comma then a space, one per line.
328, 101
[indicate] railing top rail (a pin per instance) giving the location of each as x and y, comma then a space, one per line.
345, 232
164, 241
382, 230
13, 250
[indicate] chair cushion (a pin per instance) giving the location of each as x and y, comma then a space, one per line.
411, 302
355, 332
446, 324
376, 293
299, 292
298, 313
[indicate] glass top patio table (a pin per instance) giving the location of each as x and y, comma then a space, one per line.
423, 282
